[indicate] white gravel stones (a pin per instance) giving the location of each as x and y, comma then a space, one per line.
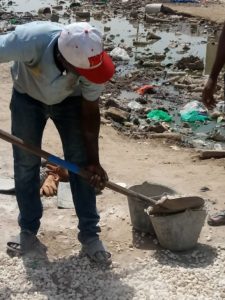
199, 274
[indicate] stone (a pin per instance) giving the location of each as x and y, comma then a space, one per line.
117, 114
64, 196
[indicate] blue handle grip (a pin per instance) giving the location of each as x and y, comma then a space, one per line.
64, 164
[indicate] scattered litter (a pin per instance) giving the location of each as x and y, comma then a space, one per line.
159, 115
220, 106
194, 111
134, 105
146, 89
119, 54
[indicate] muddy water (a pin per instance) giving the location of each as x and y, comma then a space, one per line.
30, 5
181, 33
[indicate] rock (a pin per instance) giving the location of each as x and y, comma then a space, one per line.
107, 28
83, 14
54, 18
215, 115
204, 189
119, 54
152, 36
140, 43
98, 16
158, 56
134, 14
44, 11
134, 105
117, 114
57, 7
152, 64
75, 3
217, 136
158, 128
191, 62
149, 19
111, 103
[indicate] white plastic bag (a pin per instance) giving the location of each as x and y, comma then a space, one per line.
119, 54
194, 106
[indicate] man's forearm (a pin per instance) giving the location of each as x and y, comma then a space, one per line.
91, 127
220, 56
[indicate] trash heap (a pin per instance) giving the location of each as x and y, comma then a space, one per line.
151, 90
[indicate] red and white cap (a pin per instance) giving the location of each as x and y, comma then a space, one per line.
81, 45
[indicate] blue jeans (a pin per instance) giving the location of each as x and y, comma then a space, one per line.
29, 118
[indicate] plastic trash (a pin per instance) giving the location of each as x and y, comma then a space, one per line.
134, 105
13, 21
194, 111
119, 54
159, 115
220, 106
146, 89
194, 116
218, 147
153, 8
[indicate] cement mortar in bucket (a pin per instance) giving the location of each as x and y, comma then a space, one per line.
139, 218
180, 231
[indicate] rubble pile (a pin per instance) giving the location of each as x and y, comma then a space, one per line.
176, 82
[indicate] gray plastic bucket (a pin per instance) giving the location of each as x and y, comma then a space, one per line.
139, 218
180, 231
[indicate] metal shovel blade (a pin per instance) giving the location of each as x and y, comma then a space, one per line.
172, 204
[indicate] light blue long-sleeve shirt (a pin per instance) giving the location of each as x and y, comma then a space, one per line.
34, 72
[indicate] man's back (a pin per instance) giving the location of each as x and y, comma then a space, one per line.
34, 72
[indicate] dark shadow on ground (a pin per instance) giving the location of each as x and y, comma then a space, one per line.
144, 241
200, 256
73, 277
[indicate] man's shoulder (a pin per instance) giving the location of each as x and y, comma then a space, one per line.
38, 29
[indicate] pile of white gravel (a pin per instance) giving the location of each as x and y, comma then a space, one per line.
199, 274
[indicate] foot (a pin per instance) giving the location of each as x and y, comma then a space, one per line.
23, 243
97, 252
217, 219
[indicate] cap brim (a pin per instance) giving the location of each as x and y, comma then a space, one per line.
101, 74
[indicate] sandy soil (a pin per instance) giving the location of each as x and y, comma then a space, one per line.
128, 161
210, 10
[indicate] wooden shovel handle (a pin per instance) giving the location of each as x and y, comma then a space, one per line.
69, 166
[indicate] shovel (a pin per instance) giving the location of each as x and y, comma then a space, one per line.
167, 204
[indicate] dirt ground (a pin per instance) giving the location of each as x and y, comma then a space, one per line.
127, 161
210, 10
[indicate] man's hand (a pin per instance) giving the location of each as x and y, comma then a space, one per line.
50, 186
99, 177
207, 94
56, 170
